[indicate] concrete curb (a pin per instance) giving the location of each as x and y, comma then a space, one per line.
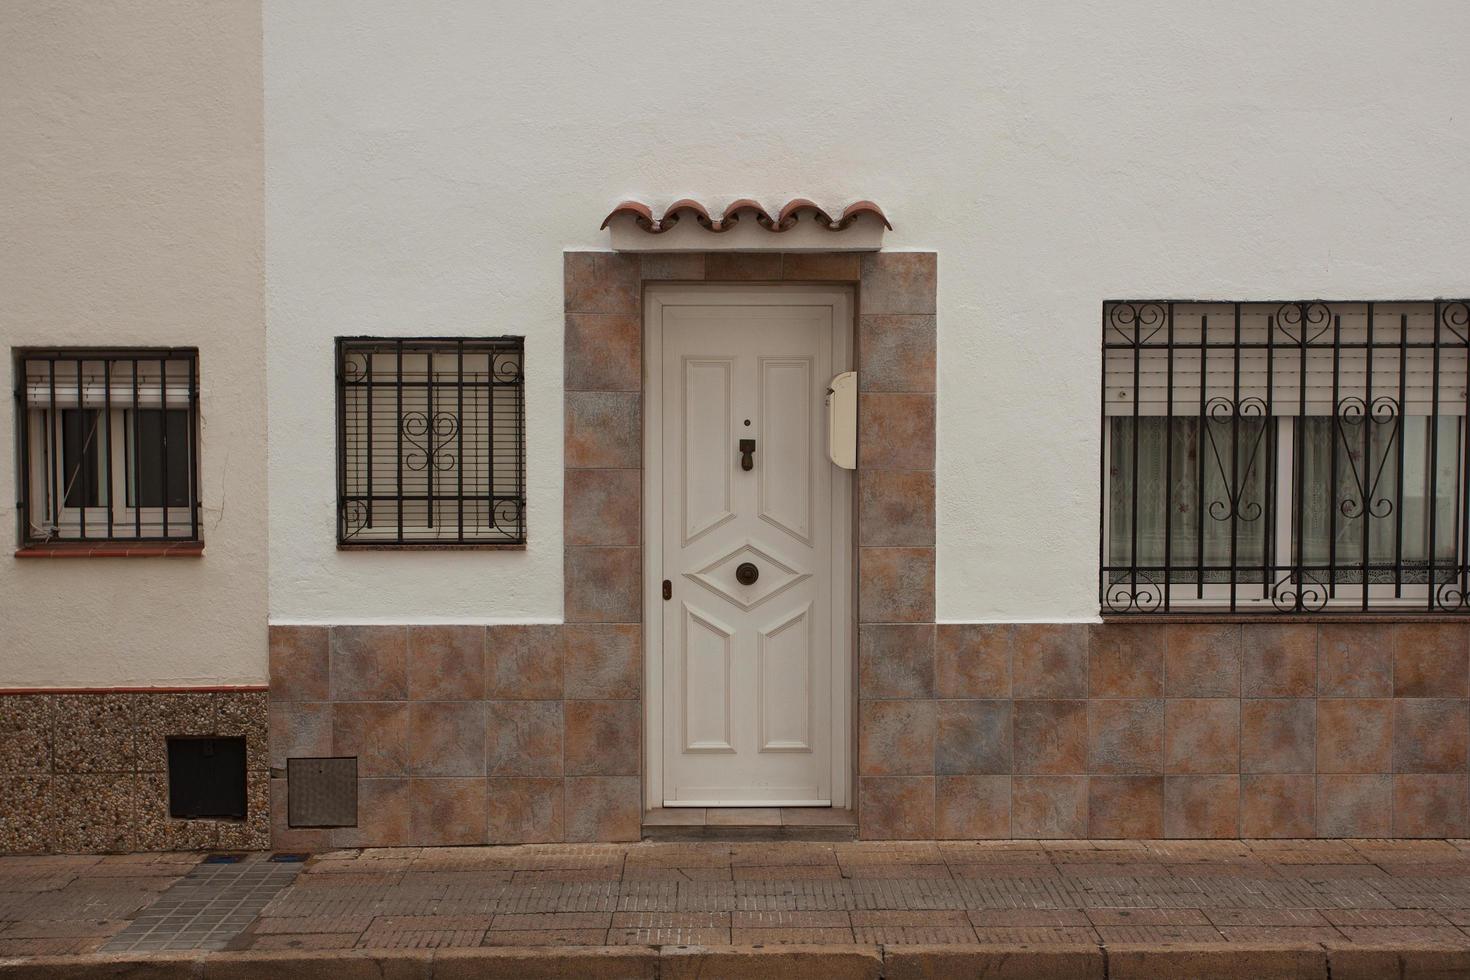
1213, 961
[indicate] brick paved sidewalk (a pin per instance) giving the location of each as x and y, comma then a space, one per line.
1109, 894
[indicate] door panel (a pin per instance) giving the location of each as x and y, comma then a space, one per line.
708, 401
747, 665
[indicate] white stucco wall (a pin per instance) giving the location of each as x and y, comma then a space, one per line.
426, 163
131, 215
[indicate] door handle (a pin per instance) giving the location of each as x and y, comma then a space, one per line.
747, 454
746, 573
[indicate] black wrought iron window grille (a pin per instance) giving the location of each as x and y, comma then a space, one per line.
107, 444
431, 442
1300, 457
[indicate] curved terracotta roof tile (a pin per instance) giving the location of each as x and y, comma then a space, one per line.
793, 209
857, 208
784, 220
642, 213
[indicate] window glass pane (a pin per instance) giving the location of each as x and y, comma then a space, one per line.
1208, 520
1351, 480
150, 440
81, 453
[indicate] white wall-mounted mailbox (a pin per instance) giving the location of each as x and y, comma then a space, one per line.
842, 420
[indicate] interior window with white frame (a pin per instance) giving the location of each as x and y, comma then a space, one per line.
108, 444
1285, 457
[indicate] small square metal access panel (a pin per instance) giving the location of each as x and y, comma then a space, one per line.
321, 792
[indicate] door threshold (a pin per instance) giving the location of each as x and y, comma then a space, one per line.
749, 823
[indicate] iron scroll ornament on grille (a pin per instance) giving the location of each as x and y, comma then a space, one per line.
1223, 410
418, 428
1303, 323
1130, 320
1354, 411
1139, 594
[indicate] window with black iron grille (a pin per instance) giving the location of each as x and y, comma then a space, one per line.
1285, 457
107, 444
430, 442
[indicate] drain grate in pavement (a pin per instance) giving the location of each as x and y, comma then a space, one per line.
208, 907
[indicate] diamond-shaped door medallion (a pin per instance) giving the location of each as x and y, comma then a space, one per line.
774, 576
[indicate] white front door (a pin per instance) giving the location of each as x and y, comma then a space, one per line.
753, 515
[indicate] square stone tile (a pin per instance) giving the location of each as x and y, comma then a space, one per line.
447, 811
1125, 661
1049, 807
299, 663
895, 431
895, 661
973, 738
93, 733
1278, 806
896, 738
604, 808
896, 352
525, 811
446, 738
603, 585
899, 282
1202, 735
1354, 735
1125, 735
1355, 660
1431, 660
369, 663
524, 662
602, 507
1130, 807
1278, 660
1202, 661
1430, 735
376, 732
1201, 806
603, 430
446, 663
1431, 805
1049, 660
896, 807
603, 738
1354, 805
524, 738
604, 352
972, 660
1278, 735
896, 508
895, 585
1050, 737
603, 661
601, 282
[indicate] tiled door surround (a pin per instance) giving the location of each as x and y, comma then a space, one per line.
535, 733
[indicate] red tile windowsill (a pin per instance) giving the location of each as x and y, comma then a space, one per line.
113, 549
